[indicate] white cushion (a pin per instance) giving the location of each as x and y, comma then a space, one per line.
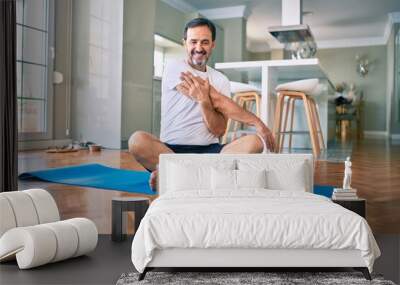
40, 244
46, 207
290, 175
277, 177
188, 176
228, 161
27, 208
23, 208
67, 240
223, 179
87, 233
238, 87
307, 85
31, 232
183, 178
318, 90
7, 220
251, 178
33, 246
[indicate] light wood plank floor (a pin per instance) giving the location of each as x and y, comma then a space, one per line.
376, 175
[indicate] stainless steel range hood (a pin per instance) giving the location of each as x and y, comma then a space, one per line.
297, 37
293, 33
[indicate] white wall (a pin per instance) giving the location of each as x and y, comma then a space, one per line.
97, 71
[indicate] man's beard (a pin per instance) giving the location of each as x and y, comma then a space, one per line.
199, 62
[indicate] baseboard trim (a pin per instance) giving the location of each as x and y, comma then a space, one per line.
42, 144
375, 134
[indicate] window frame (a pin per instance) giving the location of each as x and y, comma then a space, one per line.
48, 134
161, 50
397, 72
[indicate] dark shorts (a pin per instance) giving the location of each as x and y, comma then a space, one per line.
181, 148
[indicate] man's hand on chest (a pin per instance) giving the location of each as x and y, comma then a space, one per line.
194, 87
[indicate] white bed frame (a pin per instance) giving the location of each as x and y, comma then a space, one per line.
234, 257
250, 258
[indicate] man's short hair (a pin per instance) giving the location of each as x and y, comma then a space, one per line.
197, 22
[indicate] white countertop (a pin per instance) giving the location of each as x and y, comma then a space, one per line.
253, 64
285, 70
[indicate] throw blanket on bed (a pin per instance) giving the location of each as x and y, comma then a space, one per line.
256, 218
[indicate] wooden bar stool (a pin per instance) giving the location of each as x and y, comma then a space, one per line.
245, 96
345, 115
288, 94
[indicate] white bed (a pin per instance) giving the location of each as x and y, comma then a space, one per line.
201, 219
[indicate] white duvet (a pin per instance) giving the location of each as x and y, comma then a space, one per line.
254, 218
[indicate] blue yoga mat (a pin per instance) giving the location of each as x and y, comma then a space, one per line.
98, 176
323, 190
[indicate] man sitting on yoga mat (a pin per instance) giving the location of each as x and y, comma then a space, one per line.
195, 106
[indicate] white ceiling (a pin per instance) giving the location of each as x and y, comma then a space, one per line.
333, 22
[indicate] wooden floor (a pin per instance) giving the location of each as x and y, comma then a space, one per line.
376, 176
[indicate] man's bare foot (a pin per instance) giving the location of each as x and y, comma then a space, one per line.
153, 180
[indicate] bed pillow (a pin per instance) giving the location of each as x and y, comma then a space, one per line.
291, 175
223, 179
190, 175
251, 178
291, 180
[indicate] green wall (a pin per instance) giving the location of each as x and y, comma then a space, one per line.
169, 22
394, 91
137, 71
340, 65
218, 52
234, 43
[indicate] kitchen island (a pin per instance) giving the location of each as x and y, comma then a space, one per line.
269, 73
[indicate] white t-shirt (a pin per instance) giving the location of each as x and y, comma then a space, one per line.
181, 118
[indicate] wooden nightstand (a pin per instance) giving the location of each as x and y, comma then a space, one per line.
356, 205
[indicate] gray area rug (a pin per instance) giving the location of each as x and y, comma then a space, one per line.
231, 278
